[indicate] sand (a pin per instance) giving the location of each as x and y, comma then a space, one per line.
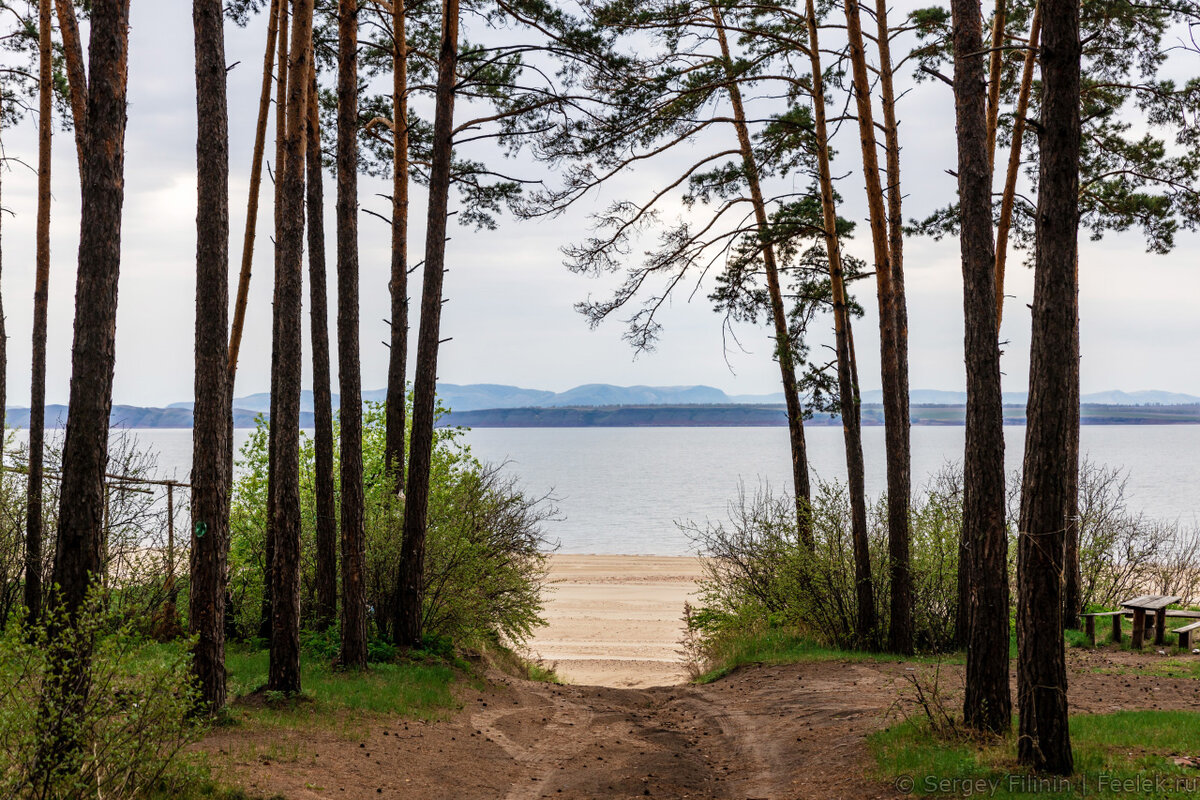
616, 620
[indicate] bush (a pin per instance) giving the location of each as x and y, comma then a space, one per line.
133, 720
760, 574
1122, 553
143, 575
484, 553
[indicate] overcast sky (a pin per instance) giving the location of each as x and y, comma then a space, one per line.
510, 299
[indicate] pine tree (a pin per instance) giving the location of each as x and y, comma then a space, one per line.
1044, 742
354, 603
284, 669
81, 514
212, 414
987, 705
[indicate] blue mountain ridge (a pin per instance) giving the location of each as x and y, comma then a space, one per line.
485, 396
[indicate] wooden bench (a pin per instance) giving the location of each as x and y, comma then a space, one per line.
1089, 621
1149, 608
1185, 635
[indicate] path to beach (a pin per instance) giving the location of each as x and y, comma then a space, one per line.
616, 620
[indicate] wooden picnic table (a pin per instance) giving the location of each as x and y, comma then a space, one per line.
1155, 604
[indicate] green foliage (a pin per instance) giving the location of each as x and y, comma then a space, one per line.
1139, 161
132, 721
135, 558
1122, 553
760, 576
1129, 753
484, 557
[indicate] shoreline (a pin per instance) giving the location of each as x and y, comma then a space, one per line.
616, 620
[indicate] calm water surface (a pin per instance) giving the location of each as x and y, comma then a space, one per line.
620, 490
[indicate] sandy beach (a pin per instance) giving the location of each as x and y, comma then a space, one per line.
616, 620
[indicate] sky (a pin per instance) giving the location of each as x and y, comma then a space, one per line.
510, 300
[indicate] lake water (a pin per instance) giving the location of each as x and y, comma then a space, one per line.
620, 490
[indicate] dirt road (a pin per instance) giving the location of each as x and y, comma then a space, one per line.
795, 732
770, 732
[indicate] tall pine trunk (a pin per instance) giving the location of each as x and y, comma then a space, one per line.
847, 370
896, 414
72, 48
1013, 171
1045, 741
397, 381
284, 671
281, 83
41, 293
987, 705
885, 234
410, 583
783, 341
318, 316
77, 561
3, 360
212, 415
1072, 578
256, 165
354, 602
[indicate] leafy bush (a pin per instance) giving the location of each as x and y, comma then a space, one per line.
484, 553
143, 573
759, 574
1122, 553
132, 723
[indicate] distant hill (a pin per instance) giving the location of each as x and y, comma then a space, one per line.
745, 415
492, 397
140, 417
478, 396
1112, 397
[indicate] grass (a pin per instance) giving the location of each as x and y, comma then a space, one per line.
417, 689
780, 645
331, 700
1129, 753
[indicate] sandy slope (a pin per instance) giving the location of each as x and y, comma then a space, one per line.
616, 620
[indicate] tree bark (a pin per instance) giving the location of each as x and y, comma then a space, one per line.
281, 61
354, 602
318, 316
3, 366
1009, 194
284, 671
41, 293
212, 413
1072, 579
77, 561
847, 370
783, 341
987, 705
885, 235
1045, 742
68, 25
397, 386
407, 628
995, 66
256, 164
896, 423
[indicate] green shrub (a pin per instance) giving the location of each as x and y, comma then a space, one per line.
484, 553
131, 724
760, 575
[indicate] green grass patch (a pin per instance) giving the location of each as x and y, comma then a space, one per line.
780, 645
1129, 753
1178, 667
419, 689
